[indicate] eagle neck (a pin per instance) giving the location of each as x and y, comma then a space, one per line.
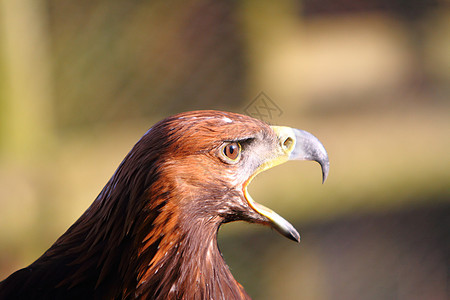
189, 265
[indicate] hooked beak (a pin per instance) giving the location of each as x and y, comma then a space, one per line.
293, 144
302, 145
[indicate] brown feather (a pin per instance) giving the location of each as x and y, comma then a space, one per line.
152, 231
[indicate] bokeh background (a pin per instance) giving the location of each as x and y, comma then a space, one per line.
81, 81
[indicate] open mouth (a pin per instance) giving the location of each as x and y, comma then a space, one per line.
294, 144
276, 221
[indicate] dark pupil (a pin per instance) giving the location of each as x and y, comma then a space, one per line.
231, 151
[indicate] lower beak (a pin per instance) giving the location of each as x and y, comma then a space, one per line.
293, 144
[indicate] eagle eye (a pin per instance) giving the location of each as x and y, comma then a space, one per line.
231, 152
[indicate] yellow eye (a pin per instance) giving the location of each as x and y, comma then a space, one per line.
232, 151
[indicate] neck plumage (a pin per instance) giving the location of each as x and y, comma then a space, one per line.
132, 244
188, 265
135, 240
165, 254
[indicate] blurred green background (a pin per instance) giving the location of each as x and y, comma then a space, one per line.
81, 81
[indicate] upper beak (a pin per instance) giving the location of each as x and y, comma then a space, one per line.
302, 145
294, 144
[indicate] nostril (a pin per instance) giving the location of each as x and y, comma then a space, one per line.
288, 142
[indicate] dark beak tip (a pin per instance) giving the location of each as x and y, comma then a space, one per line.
325, 165
325, 170
293, 235
287, 230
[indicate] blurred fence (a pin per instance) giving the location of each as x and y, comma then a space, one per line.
81, 81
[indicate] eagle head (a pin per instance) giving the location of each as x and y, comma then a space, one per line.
210, 157
151, 233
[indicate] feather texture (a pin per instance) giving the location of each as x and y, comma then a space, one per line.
152, 231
